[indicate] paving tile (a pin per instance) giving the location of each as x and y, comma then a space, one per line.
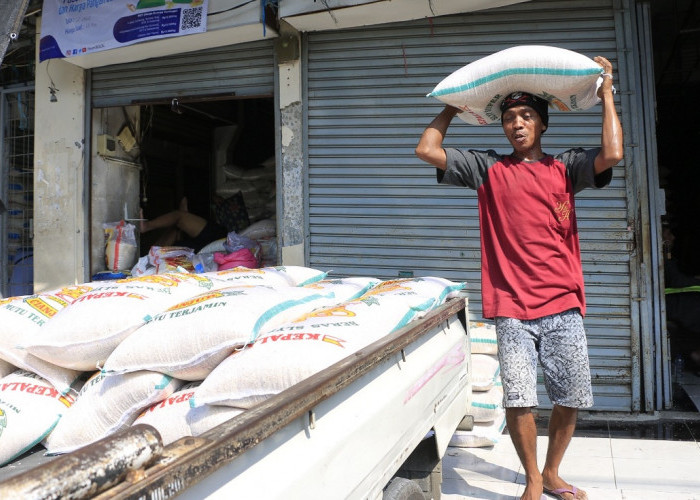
629, 494
503, 447
579, 446
585, 472
459, 489
654, 449
642, 460
605, 494
658, 474
462, 463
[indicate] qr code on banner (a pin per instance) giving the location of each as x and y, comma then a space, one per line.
191, 19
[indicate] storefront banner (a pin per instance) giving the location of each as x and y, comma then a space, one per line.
76, 27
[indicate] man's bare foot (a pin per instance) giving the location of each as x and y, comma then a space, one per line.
533, 489
531, 493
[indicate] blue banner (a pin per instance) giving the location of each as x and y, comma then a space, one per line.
72, 28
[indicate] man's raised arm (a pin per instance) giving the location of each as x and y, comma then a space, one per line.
429, 148
612, 149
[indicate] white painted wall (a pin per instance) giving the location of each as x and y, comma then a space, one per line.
59, 167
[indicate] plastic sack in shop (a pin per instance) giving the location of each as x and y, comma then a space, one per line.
240, 258
171, 258
120, 245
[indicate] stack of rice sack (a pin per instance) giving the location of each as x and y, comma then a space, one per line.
80, 340
34, 393
362, 311
202, 319
23, 320
64, 336
176, 417
282, 356
185, 352
487, 392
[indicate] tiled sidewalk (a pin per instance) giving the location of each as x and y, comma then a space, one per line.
620, 458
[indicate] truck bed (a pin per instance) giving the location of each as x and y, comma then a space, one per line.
343, 432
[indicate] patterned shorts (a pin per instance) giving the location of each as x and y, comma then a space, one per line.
559, 341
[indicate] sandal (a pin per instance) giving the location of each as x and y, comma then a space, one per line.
559, 492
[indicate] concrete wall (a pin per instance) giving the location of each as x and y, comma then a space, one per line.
59, 209
290, 181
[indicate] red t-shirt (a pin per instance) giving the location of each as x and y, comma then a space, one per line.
530, 257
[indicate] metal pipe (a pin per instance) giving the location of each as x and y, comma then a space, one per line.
89, 470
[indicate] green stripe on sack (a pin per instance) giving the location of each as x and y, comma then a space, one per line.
363, 291
413, 311
484, 341
516, 71
448, 290
33, 443
487, 406
314, 279
275, 310
164, 382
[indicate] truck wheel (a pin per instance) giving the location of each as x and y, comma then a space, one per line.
403, 489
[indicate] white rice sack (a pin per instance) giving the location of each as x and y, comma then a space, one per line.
266, 228
483, 337
283, 356
30, 407
82, 335
486, 405
417, 292
191, 338
481, 435
344, 289
204, 418
169, 416
567, 79
485, 372
269, 276
6, 368
22, 320
106, 405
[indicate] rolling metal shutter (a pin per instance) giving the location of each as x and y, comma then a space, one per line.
244, 69
375, 209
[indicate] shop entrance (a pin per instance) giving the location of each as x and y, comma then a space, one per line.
219, 156
676, 45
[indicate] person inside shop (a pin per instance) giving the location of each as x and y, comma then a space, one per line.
682, 304
183, 228
532, 279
